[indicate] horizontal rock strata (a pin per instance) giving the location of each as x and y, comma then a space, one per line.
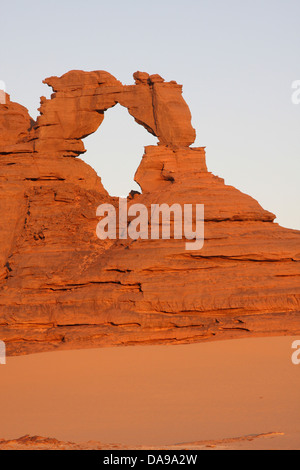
61, 287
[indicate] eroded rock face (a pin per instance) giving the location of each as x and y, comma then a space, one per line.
62, 287
15, 127
77, 110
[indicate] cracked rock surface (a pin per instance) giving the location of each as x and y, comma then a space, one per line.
61, 287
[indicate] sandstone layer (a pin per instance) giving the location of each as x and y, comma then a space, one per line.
61, 287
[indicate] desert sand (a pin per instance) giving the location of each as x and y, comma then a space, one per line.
226, 394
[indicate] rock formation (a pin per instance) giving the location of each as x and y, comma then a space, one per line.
234, 443
62, 287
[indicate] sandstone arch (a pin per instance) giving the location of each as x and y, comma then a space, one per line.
76, 110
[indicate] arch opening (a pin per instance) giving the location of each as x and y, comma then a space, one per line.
115, 150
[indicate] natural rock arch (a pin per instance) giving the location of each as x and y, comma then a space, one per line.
76, 110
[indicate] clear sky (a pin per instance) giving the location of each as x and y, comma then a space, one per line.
236, 59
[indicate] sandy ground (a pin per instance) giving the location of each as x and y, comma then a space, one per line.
240, 394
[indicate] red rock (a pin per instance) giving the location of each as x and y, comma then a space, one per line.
62, 287
141, 77
15, 125
80, 99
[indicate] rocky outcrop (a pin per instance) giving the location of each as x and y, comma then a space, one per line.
80, 99
47, 443
15, 127
62, 287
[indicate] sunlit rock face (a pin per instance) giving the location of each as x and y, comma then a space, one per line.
61, 287
81, 98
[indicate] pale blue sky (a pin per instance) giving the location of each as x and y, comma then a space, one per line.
236, 60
